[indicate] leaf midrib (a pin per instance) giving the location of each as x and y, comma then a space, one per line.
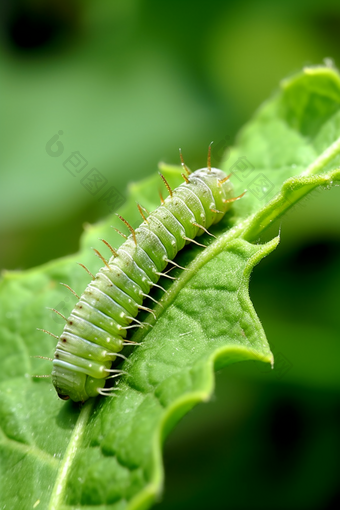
59, 488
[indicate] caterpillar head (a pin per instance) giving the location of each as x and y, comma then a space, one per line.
221, 190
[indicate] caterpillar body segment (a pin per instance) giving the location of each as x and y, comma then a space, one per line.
96, 329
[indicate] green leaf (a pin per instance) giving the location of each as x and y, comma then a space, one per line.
107, 453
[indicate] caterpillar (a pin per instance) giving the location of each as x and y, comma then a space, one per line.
95, 332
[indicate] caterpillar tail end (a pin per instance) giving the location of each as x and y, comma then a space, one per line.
78, 388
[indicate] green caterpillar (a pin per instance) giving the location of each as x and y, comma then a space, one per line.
96, 330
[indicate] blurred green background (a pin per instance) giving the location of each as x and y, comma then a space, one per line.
129, 82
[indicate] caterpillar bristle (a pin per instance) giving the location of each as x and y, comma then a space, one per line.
56, 311
42, 357
119, 232
209, 157
87, 270
142, 213
145, 210
188, 171
101, 257
166, 184
185, 178
48, 332
161, 197
132, 230
113, 251
41, 376
69, 288
229, 200
220, 182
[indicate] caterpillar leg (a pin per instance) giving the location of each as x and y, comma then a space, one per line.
174, 263
117, 375
152, 299
107, 392
193, 241
205, 230
160, 287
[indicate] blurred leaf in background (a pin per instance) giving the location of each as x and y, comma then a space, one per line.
121, 102
128, 82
